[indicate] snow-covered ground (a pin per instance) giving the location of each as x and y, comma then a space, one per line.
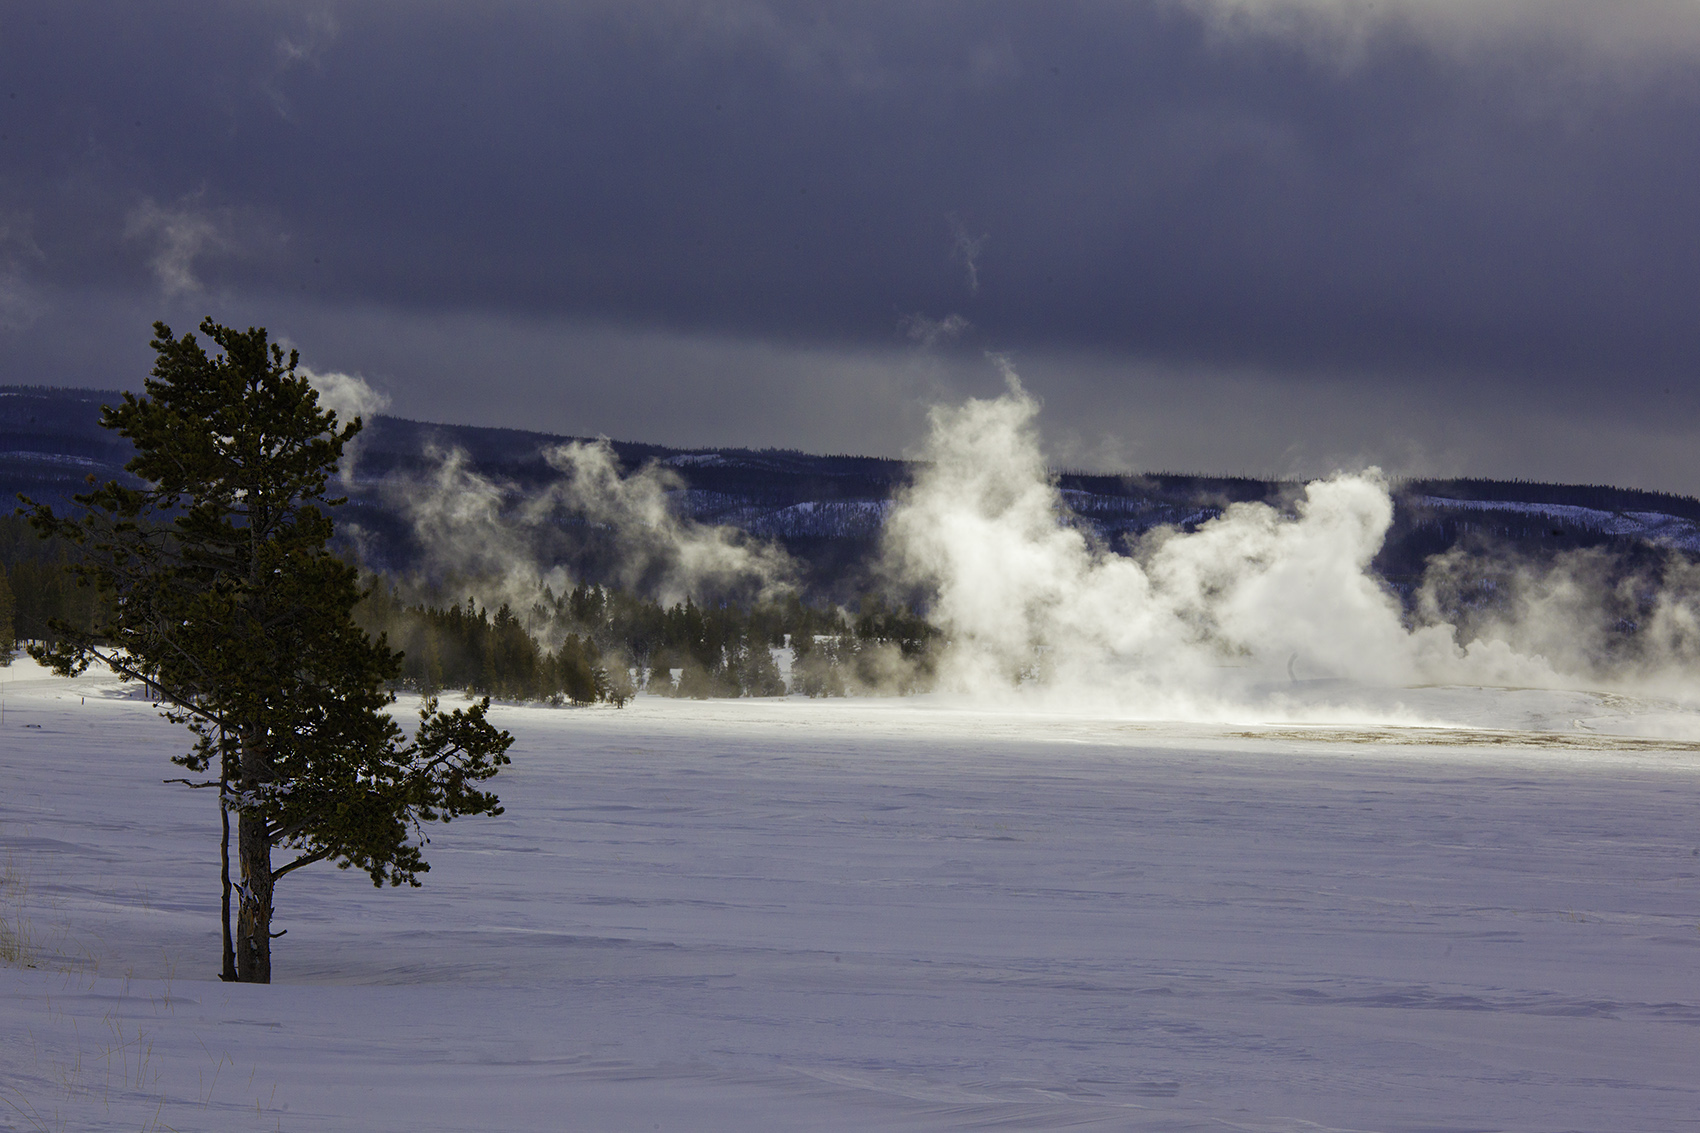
888, 915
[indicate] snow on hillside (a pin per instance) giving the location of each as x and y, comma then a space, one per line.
821, 518
817, 518
50, 458
908, 914
1653, 526
1113, 516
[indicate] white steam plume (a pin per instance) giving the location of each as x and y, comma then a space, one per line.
470, 535
1216, 624
680, 556
348, 396
491, 535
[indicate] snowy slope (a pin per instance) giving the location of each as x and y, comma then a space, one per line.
889, 915
1653, 526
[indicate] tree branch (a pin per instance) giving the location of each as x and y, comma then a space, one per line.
304, 859
111, 661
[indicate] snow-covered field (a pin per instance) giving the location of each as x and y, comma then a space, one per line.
888, 915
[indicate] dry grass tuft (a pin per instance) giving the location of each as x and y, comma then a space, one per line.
17, 945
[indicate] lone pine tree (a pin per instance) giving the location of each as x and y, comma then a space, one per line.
223, 596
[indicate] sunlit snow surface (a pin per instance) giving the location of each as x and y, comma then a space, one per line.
891, 914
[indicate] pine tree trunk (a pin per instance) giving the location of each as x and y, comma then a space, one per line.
228, 972
254, 914
253, 842
225, 768
254, 855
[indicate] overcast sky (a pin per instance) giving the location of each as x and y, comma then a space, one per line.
1265, 236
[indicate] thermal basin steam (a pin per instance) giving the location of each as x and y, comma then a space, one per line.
1257, 613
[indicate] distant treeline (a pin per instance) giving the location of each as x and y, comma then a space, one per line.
1178, 489
593, 644
597, 643
35, 586
1601, 497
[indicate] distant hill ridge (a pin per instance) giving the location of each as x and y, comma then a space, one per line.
829, 510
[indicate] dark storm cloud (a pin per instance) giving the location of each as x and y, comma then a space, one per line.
1445, 201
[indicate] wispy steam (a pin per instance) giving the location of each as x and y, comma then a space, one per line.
319, 32
349, 396
965, 249
179, 235
930, 332
1601, 619
472, 534
1220, 623
658, 549
20, 305
507, 542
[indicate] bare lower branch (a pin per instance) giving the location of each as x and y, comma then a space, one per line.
304, 859
117, 665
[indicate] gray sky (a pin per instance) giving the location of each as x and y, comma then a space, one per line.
1264, 236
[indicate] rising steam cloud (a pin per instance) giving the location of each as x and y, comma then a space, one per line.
471, 535
1223, 622
675, 556
348, 396
492, 537
1262, 614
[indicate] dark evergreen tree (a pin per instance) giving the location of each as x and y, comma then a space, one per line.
620, 687
814, 667
43, 591
8, 641
696, 681
661, 680
755, 670
221, 594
